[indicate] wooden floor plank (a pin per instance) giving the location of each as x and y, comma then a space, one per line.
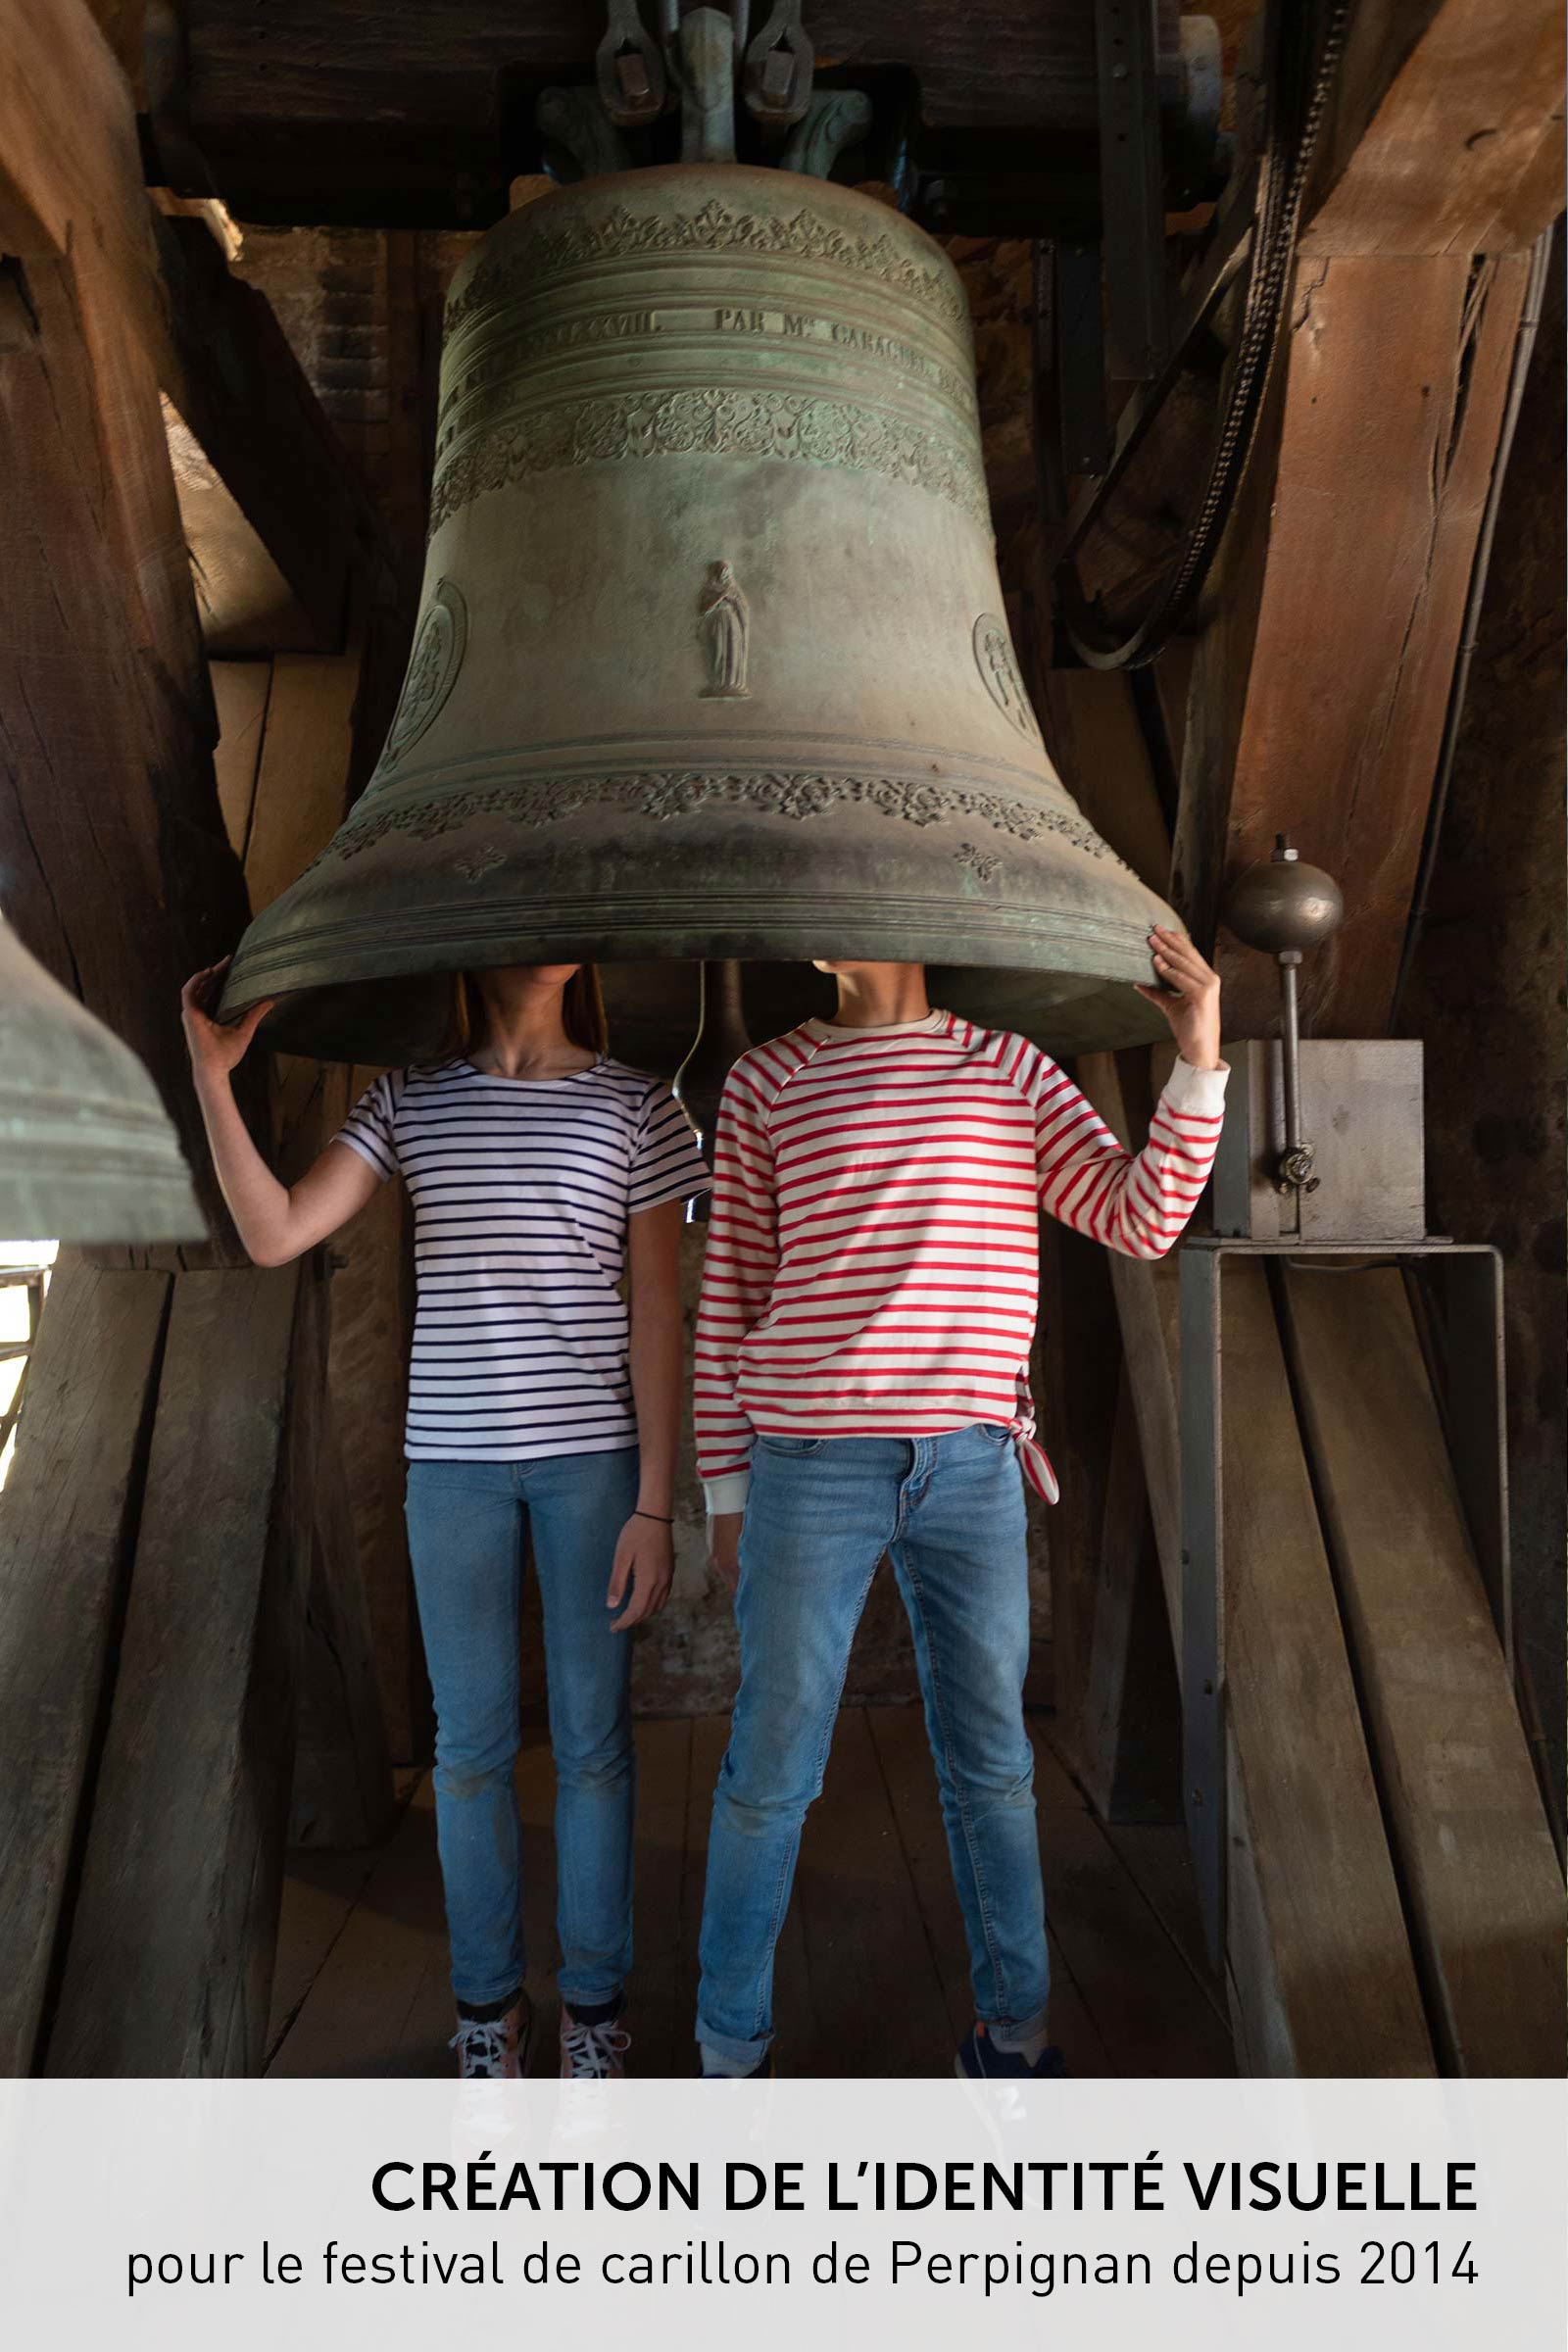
899, 1737
660, 2009
1477, 1862
877, 1991
354, 2018
873, 1974
1157, 1859
794, 2012
1151, 2013
1328, 1902
536, 1810
319, 1894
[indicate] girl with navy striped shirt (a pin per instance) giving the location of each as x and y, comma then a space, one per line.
548, 1184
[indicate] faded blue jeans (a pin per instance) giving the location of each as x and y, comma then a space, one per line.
467, 1528
821, 1511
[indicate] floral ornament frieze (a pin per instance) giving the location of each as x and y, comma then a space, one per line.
797, 426
667, 793
716, 227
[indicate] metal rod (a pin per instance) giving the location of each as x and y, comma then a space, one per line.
1291, 1040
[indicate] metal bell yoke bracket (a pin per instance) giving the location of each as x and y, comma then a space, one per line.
633, 84
641, 76
776, 78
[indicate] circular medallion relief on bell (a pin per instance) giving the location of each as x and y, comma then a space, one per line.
433, 667
999, 673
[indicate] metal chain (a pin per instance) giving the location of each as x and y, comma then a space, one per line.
1284, 188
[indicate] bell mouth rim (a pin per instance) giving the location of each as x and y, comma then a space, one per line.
331, 1022
763, 929
154, 1207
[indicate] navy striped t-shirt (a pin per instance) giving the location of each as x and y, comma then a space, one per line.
521, 1190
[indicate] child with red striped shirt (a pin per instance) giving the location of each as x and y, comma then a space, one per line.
862, 1386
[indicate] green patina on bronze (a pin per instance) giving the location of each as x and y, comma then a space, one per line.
710, 555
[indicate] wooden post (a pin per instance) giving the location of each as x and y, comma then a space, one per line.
1476, 1856
342, 1789
1398, 371
117, 872
1318, 1966
67, 1536
1128, 1744
169, 1965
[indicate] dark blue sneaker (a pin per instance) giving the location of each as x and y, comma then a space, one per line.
980, 2061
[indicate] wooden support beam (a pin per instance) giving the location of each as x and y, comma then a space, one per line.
1091, 722
1128, 1744
117, 872
370, 110
1334, 697
1148, 1312
71, 178
277, 474
372, 1323
342, 1788
1483, 1887
301, 787
1328, 1898
1319, 1966
1445, 134
169, 1958
1092, 727
67, 1533
240, 689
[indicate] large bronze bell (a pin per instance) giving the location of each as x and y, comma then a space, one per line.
88, 1151
711, 659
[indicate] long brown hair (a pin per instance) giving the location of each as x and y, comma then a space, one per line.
582, 1014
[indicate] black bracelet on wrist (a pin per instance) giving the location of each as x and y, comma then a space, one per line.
654, 1516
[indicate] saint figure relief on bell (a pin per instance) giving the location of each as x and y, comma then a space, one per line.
726, 626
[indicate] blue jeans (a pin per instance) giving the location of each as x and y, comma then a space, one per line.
468, 1524
820, 1513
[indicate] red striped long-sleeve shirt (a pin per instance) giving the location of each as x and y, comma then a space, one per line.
872, 1263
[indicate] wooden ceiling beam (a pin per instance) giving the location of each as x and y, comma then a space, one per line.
1446, 131
1323, 671
1396, 376
117, 872
287, 511
398, 64
158, 300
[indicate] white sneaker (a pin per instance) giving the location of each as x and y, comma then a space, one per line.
494, 2048
592, 2053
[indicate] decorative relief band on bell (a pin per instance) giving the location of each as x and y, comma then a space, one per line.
485, 391
665, 793
984, 865
543, 252
796, 425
